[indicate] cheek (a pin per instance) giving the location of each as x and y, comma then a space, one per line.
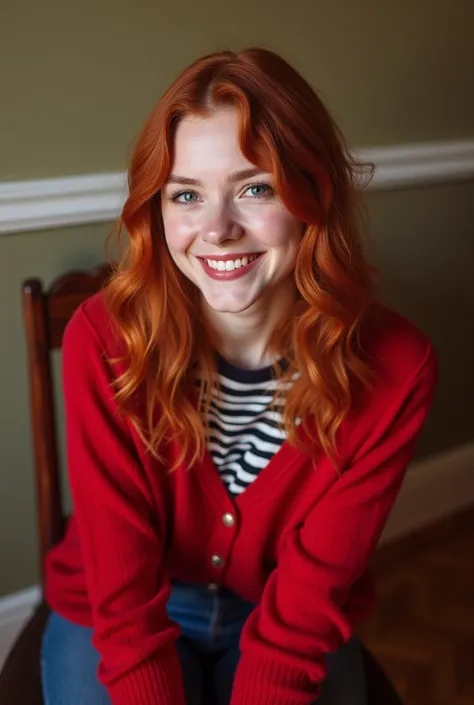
179, 231
280, 229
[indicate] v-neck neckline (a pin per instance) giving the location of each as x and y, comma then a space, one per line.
286, 457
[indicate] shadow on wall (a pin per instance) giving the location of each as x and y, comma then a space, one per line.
424, 246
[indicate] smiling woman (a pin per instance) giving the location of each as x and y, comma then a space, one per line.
240, 413
305, 298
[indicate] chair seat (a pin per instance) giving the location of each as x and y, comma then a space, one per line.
379, 689
20, 679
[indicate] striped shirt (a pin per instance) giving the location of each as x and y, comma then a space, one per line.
244, 431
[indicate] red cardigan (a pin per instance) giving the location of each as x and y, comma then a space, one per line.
299, 544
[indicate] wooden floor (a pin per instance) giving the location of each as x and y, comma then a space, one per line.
422, 631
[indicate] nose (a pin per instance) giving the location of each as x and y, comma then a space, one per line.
221, 226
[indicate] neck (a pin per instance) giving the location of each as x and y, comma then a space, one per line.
243, 338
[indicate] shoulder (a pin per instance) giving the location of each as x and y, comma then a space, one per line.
404, 375
92, 326
397, 351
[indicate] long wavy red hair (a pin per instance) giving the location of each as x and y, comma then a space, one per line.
284, 129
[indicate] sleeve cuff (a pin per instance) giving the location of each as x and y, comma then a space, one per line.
153, 682
262, 681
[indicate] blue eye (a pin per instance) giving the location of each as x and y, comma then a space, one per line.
259, 190
184, 197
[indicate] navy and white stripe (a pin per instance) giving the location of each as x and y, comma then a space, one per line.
245, 432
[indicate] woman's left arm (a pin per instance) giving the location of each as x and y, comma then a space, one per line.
301, 617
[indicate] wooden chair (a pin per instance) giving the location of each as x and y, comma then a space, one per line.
46, 313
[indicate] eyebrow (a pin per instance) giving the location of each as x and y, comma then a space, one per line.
234, 177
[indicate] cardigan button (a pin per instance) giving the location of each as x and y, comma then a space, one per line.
213, 588
228, 519
217, 561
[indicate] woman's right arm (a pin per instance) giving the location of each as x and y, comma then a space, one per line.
120, 532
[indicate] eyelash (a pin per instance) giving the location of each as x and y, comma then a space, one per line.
174, 196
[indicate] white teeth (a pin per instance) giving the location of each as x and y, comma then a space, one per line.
229, 265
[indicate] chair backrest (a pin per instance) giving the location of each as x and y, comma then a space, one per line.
46, 314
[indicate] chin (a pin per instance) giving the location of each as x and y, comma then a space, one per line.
229, 306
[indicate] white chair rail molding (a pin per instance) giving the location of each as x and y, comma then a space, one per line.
97, 198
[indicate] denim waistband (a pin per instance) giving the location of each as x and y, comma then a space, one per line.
210, 617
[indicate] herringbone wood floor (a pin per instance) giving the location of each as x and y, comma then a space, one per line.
422, 630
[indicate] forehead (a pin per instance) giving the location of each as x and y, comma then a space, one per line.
208, 143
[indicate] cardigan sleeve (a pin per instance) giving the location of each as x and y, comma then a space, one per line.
120, 532
301, 616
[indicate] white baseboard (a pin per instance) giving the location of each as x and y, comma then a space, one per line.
98, 198
433, 489
15, 610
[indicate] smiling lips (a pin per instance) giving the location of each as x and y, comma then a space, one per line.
228, 267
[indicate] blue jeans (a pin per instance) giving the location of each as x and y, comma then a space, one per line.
208, 649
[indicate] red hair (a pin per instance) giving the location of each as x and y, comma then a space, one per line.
284, 129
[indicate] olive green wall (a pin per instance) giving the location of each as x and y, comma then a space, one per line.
77, 80
78, 77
